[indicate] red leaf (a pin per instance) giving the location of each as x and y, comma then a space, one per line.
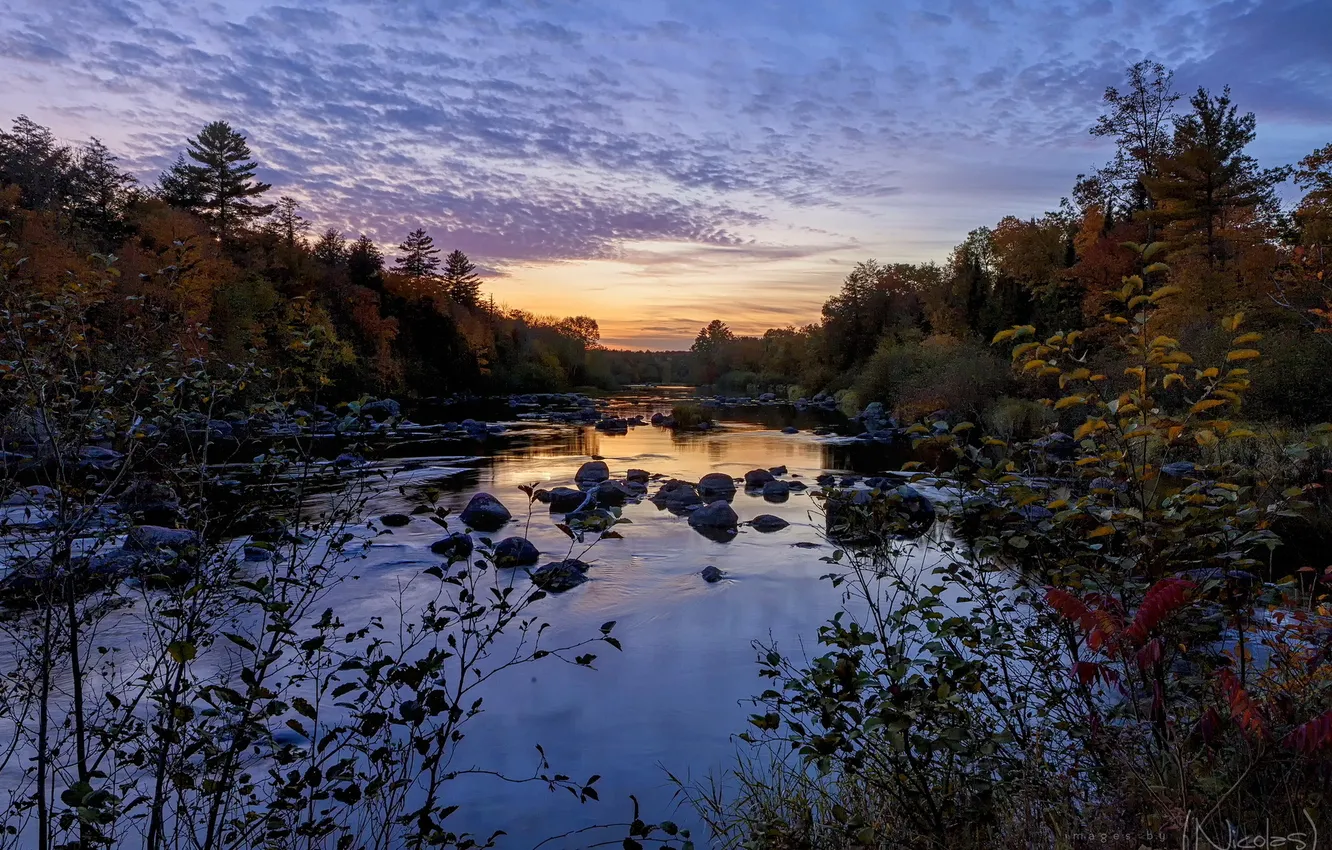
1312, 736
1243, 708
1149, 654
1163, 599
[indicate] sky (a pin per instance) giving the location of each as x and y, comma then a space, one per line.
655, 163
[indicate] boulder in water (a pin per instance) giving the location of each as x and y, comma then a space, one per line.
516, 552
565, 499
756, 478
485, 513
711, 574
716, 485
559, 576
718, 514
592, 472
455, 547
768, 523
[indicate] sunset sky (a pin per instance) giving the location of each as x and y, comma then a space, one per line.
655, 164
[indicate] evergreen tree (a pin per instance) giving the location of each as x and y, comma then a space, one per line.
178, 186
42, 168
223, 180
461, 281
101, 193
1206, 184
365, 264
331, 249
289, 225
420, 257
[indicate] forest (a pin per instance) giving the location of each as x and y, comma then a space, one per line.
915, 336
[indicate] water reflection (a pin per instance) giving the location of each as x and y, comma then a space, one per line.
674, 696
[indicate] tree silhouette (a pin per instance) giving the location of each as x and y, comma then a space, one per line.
419, 258
365, 264
222, 187
461, 281
287, 223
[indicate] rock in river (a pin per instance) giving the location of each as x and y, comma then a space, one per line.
455, 547
395, 520
612, 493
516, 552
756, 478
639, 476
565, 499
711, 574
485, 513
768, 522
716, 485
718, 514
150, 538
776, 491
559, 576
676, 495
592, 472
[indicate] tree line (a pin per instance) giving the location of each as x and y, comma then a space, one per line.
231, 273
915, 335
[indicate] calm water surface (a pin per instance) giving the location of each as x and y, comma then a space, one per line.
675, 696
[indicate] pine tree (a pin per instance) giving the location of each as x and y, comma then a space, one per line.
461, 281
178, 186
1206, 184
365, 264
101, 193
224, 181
42, 168
420, 257
289, 225
331, 249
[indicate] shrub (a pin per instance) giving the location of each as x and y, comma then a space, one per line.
689, 416
1103, 657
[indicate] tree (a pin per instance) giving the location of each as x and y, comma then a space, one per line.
1139, 122
1314, 213
223, 181
178, 186
365, 264
102, 192
420, 258
287, 223
331, 249
710, 347
461, 281
32, 159
582, 328
1206, 186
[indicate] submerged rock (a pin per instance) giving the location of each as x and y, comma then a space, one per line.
711, 574
559, 576
485, 513
639, 476
395, 520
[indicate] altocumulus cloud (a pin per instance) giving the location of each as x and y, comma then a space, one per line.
530, 132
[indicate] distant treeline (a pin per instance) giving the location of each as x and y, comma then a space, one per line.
915, 335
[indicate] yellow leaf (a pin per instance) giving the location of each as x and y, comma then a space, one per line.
1205, 438
1240, 434
1069, 401
1178, 357
1022, 349
1247, 339
1033, 364
1138, 300
1050, 370
1103, 531
1088, 461
1025, 330
1164, 341
1073, 337
1002, 336
1206, 404
1209, 372
1097, 378
1163, 293
1115, 320
1075, 375
1243, 354
1155, 268
1173, 378
1057, 339
1088, 427
1136, 371
991, 441
963, 426
1057, 505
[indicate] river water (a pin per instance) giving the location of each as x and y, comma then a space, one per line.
675, 696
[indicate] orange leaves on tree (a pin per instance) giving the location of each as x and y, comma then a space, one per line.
1243, 707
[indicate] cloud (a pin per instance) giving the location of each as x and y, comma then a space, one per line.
727, 137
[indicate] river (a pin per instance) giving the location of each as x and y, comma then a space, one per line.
675, 696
